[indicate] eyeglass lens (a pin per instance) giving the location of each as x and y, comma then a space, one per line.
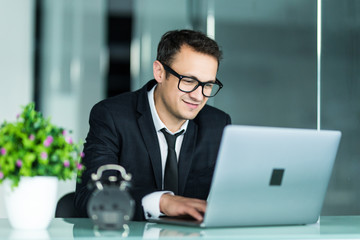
189, 85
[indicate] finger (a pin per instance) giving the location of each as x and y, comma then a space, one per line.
194, 213
195, 200
199, 205
201, 208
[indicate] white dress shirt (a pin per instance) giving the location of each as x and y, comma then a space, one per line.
151, 202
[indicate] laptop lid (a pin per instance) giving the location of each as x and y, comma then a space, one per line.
269, 176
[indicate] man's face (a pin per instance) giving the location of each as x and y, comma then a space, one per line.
174, 105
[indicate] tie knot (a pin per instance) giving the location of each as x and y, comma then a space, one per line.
171, 139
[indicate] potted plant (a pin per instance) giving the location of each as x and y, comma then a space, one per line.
34, 155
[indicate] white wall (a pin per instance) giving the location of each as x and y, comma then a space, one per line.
16, 65
72, 63
16, 53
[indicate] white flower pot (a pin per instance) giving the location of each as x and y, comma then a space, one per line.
32, 204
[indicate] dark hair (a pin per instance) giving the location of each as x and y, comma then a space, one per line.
172, 41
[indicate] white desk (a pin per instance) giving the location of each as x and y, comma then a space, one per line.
337, 227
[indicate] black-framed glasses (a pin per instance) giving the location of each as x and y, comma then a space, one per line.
190, 84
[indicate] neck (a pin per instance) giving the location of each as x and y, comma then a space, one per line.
172, 123
174, 128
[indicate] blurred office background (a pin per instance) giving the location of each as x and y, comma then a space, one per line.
286, 64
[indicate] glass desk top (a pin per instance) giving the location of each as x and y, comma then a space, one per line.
330, 227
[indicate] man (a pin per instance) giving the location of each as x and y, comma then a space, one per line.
132, 129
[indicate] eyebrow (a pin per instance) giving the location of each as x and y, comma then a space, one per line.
192, 77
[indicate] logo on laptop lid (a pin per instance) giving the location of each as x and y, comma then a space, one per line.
277, 176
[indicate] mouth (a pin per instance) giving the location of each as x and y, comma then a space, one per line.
191, 105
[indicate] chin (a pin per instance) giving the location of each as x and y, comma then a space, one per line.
190, 116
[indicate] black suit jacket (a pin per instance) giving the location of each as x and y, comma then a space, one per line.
122, 132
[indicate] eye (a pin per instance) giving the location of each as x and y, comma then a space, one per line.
209, 86
189, 81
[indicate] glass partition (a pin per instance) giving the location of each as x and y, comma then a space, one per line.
269, 69
340, 100
269, 66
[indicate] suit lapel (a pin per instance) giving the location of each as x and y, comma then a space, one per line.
186, 155
148, 132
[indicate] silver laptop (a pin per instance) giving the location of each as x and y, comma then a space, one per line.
268, 176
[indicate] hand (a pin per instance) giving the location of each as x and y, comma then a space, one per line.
177, 206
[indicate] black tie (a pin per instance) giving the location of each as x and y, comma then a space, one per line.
171, 167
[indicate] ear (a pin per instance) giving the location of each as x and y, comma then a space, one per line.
159, 72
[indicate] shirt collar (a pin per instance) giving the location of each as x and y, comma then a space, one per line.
157, 122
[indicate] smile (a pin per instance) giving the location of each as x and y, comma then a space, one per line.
192, 105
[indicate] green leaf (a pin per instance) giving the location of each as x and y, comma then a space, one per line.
15, 138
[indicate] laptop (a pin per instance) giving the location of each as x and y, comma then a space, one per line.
268, 176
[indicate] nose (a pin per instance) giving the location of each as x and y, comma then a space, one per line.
197, 94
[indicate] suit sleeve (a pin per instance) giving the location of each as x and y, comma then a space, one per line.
101, 147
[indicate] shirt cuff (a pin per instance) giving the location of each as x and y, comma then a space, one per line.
151, 204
